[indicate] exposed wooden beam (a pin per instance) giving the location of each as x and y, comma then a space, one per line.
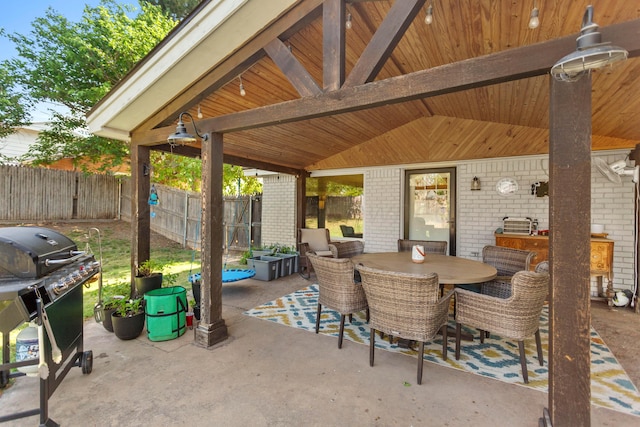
140, 210
333, 44
212, 328
509, 65
299, 16
195, 151
385, 39
569, 244
293, 70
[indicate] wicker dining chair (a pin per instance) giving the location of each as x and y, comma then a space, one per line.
405, 305
516, 317
337, 289
507, 261
430, 246
347, 249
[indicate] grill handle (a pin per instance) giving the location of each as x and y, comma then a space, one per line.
76, 255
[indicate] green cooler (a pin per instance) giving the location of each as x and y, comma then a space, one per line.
165, 310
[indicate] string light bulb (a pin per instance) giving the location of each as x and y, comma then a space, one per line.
534, 21
348, 24
429, 18
242, 91
199, 112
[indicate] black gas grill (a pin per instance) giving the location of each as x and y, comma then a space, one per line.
41, 278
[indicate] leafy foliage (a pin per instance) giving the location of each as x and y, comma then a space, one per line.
177, 9
74, 65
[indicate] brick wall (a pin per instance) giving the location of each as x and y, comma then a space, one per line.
382, 207
479, 213
279, 210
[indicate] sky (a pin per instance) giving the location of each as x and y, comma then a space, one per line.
16, 17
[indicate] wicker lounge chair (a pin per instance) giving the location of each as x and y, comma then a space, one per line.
430, 246
407, 306
337, 289
516, 317
314, 240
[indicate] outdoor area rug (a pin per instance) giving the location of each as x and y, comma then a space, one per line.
496, 358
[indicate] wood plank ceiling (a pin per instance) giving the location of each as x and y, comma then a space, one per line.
504, 119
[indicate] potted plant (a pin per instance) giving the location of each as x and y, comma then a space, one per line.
149, 277
113, 294
128, 318
109, 306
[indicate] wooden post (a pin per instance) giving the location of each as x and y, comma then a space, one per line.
211, 329
140, 211
301, 200
569, 244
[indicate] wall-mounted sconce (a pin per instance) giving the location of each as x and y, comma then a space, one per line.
591, 53
181, 136
348, 23
146, 169
321, 201
475, 183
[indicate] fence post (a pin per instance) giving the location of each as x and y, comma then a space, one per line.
186, 219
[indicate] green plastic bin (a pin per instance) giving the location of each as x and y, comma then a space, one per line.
165, 311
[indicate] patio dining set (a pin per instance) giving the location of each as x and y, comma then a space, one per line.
411, 301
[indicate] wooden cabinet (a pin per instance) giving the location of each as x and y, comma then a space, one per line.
601, 262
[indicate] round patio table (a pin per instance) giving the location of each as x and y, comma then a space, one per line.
451, 270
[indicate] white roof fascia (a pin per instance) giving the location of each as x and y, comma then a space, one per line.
212, 35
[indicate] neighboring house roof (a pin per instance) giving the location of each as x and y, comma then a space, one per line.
17, 144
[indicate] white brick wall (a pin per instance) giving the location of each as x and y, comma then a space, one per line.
382, 206
279, 210
479, 213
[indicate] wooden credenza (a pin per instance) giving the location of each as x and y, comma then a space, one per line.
601, 262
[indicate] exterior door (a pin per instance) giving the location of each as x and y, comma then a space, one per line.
429, 212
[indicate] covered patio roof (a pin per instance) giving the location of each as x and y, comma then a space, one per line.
473, 84
390, 90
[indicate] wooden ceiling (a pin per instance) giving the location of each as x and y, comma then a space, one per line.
505, 119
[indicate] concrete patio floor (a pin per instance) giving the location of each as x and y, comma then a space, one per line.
265, 374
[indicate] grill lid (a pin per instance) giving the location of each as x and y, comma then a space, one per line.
24, 251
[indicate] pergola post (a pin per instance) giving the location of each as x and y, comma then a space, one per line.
212, 328
569, 244
140, 211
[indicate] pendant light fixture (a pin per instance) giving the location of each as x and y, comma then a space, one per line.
591, 54
242, 91
534, 20
181, 136
428, 19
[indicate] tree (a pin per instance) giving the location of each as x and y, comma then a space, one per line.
74, 65
177, 9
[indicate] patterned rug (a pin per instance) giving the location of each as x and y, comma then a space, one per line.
496, 358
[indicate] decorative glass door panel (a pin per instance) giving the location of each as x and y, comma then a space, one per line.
430, 206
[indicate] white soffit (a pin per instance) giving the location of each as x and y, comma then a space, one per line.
213, 34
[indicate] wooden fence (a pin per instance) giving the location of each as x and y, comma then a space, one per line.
177, 216
37, 194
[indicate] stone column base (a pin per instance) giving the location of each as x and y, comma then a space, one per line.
208, 335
